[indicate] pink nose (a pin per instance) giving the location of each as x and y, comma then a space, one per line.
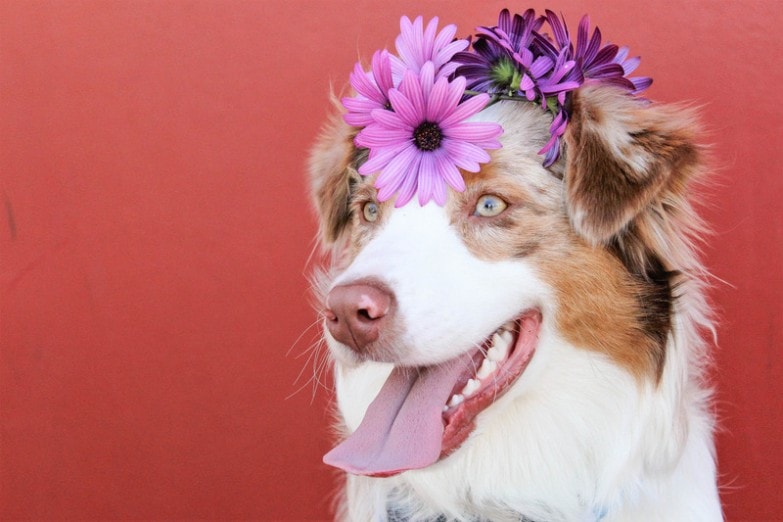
356, 313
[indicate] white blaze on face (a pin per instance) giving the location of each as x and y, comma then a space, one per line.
448, 300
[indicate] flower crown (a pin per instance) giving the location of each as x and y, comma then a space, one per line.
412, 108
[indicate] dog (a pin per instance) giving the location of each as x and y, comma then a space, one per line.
532, 346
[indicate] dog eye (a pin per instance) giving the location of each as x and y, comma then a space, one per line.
489, 206
370, 211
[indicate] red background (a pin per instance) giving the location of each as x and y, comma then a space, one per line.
154, 235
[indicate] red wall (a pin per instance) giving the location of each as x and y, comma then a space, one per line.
154, 232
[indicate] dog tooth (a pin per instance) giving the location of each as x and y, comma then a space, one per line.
471, 387
500, 350
487, 367
507, 337
456, 400
493, 354
508, 326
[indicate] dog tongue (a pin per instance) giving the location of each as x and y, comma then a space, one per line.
403, 427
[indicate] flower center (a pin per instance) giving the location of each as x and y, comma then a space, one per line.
505, 74
427, 136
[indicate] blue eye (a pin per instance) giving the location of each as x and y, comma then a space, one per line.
489, 206
370, 211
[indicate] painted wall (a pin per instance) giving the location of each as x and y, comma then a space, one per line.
156, 337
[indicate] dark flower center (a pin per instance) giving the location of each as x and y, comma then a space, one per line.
428, 136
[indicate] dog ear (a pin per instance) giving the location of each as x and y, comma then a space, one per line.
625, 158
331, 178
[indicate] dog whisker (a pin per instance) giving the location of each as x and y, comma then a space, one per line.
316, 323
316, 363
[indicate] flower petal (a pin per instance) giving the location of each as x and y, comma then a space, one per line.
629, 65
365, 86
552, 153
374, 135
541, 66
410, 182
449, 173
390, 119
406, 44
448, 51
465, 155
474, 131
641, 83
526, 83
398, 167
426, 178
444, 98
465, 110
593, 46
427, 43
445, 36
382, 71
426, 81
581, 35
380, 157
409, 111
439, 194
559, 29
606, 70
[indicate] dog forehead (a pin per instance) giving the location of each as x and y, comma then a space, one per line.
519, 159
525, 128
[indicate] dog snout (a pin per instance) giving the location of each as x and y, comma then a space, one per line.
356, 313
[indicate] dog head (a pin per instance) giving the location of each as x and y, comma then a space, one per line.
474, 303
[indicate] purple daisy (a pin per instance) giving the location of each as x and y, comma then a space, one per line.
501, 60
420, 145
514, 59
605, 64
371, 88
417, 45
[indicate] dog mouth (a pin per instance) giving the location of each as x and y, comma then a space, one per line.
424, 414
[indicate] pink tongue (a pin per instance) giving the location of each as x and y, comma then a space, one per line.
403, 427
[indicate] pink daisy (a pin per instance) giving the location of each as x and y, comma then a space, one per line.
371, 89
420, 145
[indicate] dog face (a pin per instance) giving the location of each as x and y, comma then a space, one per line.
527, 273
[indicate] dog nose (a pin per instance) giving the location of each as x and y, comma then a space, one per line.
355, 313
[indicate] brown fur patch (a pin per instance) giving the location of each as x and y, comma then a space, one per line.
330, 178
602, 307
621, 156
